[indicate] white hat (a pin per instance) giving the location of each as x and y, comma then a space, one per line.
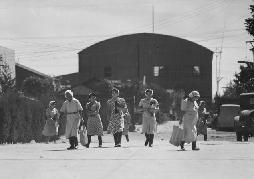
194, 94
68, 91
51, 103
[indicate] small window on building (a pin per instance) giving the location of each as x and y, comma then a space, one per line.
156, 70
251, 100
196, 71
107, 72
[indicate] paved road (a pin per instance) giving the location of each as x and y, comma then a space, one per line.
217, 158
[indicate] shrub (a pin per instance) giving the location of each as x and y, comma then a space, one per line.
37, 87
22, 119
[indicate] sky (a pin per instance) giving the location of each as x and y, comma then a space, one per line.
47, 35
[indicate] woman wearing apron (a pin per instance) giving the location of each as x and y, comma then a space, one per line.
115, 108
94, 124
190, 108
73, 111
51, 126
149, 106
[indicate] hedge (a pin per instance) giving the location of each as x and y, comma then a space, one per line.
21, 119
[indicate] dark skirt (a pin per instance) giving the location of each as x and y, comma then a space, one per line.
201, 128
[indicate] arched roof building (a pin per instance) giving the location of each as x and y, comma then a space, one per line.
171, 62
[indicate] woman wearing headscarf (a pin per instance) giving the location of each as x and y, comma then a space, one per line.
115, 107
149, 106
202, 122
73, 111
51, 126
127, 122
94, 124
190, 108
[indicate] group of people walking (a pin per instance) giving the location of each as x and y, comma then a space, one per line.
117, 114
118, 118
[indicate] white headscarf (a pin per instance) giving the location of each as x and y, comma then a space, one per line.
194, 94
51, 103
68, 91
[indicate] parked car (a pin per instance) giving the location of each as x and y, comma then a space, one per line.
244, 123
226, 116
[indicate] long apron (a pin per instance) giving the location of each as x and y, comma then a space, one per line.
149, 123
94, 125
189, 127
72, 125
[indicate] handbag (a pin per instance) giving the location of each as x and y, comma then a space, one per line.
177, 135
83, 136
50, 129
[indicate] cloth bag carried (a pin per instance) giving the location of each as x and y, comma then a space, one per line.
177, 135
50, 128
83, 136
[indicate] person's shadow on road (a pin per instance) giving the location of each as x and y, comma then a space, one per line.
56, 150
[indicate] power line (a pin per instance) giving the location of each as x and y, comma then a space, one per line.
189, 15
160, 23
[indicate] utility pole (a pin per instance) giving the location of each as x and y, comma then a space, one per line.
153, 18
135, 96
138, 63
218, 77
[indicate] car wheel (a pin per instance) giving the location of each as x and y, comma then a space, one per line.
238, 136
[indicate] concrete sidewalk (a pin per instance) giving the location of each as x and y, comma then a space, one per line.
216, 159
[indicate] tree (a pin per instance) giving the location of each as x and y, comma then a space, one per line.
244, 80
242, 83
7, 82
249, 22
36, 87
230, 90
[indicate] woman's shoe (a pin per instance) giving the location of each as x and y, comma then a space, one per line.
75, 140
71, 148
127, 138
147, 139
182, 146
151, 140
194, 146
118, 145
